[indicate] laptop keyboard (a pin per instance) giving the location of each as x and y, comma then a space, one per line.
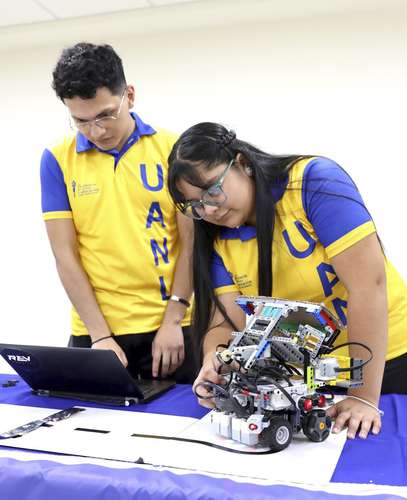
146, 388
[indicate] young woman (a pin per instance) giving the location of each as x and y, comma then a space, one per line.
293, 227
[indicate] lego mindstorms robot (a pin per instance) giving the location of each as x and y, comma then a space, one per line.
275, 366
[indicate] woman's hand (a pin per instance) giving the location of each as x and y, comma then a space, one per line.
167, 349
208, 372
110, 343
355, 415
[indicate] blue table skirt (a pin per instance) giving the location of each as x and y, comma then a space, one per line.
43, 480
379, 459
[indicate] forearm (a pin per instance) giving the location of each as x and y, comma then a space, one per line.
213, 338
367, 323
220, 331
82, 296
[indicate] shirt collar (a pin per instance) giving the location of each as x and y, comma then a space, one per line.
83, 144
243, 233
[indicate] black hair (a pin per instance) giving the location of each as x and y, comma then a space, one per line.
84, 68
208, 145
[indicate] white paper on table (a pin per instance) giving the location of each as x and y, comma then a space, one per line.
111, 438
302, 461
295, 463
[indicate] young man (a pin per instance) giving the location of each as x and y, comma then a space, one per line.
122, 251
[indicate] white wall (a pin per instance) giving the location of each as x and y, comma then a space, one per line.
333, 84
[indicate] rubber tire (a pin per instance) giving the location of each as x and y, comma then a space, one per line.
278, 435
316, 425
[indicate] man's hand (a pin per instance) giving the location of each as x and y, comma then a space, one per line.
208, 372
353, 414
168, 349
110, 343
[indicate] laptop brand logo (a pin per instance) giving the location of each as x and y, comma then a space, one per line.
18, 358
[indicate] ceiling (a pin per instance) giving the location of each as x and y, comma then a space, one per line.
23, 12
35, 11
27, 24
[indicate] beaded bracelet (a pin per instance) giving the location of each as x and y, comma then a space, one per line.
379, 411
102, 338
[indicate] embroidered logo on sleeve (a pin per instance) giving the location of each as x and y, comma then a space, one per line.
242, 281
87, 189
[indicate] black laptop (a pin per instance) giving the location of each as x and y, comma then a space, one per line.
95, 375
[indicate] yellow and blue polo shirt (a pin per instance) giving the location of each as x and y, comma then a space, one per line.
319, 214
124, 219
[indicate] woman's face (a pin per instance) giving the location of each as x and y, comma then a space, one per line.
225, 195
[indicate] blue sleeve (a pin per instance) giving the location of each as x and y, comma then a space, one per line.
331, 200
220, 276
54, 196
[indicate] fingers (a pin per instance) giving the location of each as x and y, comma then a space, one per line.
120, 354
340, 421
208, 373
169, 359
166, 363
176, 358
377, 425
200, 390
365, 426
156, 360
368, 424
168, 351
110, 343
356, 417
207, 403
354, 423
332, 411
122, 357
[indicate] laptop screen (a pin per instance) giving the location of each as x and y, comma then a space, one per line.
71, 370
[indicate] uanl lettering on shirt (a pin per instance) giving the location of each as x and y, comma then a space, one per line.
155, 215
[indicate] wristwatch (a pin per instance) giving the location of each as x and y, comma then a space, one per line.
179, 299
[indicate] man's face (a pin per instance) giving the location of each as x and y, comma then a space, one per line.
104, 119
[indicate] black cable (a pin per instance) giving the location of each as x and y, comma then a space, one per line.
248, 383
326, 390
266, 377
210, 386
240, 410
287, 366
222, 345
273, 371
205, 443
364, 363
227, 396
